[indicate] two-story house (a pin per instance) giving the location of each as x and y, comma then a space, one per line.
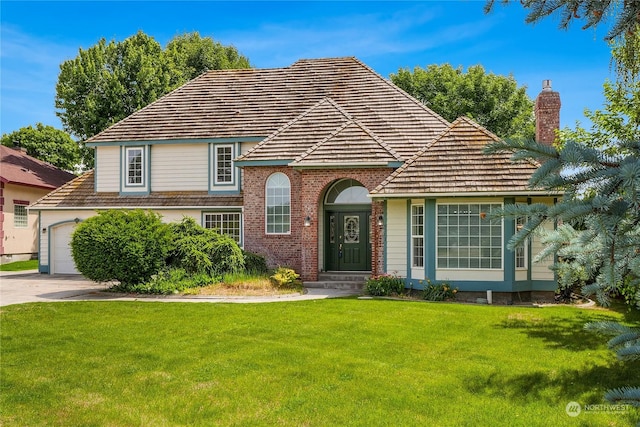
321, 166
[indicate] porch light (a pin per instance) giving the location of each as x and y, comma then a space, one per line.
44, 230
380, 220
307, 221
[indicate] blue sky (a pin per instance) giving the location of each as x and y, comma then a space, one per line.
36, 37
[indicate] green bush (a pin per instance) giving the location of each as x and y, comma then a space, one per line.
201, 250
384, 285
254, 263
168, 281
439, 292
127, 246
285, 278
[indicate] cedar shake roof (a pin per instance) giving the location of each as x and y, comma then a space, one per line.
79, 193
17, 167
455, 163
323, 135
253, 103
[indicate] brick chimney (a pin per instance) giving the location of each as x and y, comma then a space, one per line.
547, 112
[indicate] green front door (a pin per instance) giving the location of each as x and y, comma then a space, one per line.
348, 247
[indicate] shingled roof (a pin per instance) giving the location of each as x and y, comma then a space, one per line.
17, 167
454, 163
79, 193
254, 103
325, 134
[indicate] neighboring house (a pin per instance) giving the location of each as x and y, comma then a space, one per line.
322, 166
23, 180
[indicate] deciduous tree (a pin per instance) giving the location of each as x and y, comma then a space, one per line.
494, 101
48, 144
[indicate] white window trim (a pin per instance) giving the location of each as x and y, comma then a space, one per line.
414, 236
143, 171
215, 165
502, 257
525, 247
15, 216
266, 206
240, 223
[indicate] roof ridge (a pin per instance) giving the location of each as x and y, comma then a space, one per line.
284, 127
403, 92
476, 125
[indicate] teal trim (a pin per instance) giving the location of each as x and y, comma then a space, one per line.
409, 245
131, 190
508, 256
430, 238
44, 269
40, 241
234, 185
242, 163
177, 141
395, 165
51, 226
385, 246
529, 251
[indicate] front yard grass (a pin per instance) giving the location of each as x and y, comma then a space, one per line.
315, 363
20, 265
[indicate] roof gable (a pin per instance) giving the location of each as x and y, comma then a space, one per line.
454, 162
17, 167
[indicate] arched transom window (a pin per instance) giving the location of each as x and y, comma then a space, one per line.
278, 204
347, 191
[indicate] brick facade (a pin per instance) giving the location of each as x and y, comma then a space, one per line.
299, 249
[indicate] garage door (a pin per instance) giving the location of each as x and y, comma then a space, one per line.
61, 259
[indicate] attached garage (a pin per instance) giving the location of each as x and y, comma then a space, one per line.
61, 261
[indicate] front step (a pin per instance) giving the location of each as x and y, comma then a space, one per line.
340, 280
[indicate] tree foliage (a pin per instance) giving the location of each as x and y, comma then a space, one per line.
127, 246
619, 120
46, 143
202, 250
111, 80
494, 101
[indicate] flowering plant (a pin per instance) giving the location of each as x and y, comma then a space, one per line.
439, 292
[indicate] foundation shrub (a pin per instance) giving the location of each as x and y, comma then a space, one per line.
384, 285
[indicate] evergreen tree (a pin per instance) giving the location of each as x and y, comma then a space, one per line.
598, 222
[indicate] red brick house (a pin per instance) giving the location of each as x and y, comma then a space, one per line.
303, 165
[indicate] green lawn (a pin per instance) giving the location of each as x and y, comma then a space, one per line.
316, 363
20, 265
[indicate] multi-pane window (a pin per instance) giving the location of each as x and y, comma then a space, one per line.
278, 204
224, 164
135, 166
20, 217
521, 251
417, 235
228, 223
468, 237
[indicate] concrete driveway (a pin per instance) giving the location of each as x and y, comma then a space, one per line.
23, 287
18, 288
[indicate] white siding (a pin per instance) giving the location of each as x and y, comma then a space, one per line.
108, 169
179, 167
397, 237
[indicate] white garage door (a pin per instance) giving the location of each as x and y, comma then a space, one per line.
61, 259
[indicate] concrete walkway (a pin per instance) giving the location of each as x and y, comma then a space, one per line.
31, 286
